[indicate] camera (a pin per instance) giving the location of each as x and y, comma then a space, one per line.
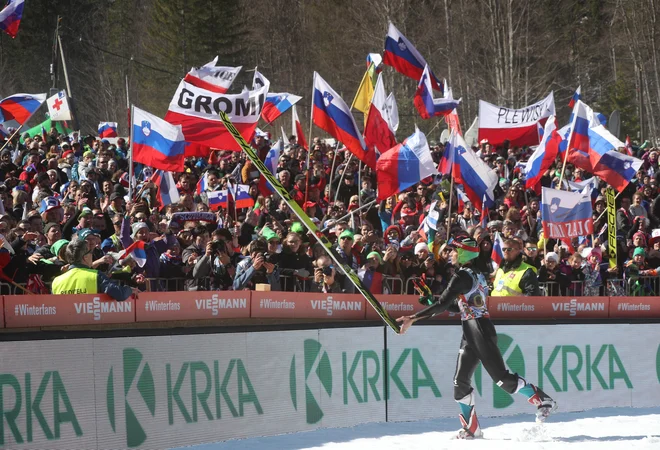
218, 246
327, 271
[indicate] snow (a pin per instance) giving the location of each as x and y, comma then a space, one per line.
599, 429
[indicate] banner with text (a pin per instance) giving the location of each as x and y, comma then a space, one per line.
518, 126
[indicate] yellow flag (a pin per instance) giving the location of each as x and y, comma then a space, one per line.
365, 92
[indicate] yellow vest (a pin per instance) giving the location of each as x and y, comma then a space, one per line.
508, 284
76, 281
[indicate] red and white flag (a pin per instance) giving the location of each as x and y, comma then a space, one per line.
212, 77
628, 146
378, 132
297, 129
519, 126
196, 110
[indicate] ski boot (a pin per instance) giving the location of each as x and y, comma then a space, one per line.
545, 405
468, 418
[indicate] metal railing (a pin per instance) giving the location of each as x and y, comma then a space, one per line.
645, 286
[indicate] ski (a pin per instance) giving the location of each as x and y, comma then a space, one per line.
311, 226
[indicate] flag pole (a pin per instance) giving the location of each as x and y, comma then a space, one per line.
128, 105
334, 160
130, 158
359, 184
365, 206
12, 137
309, 136
343, 172
561, 177
451, 196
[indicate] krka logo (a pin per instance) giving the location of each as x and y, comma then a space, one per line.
132, 362
315, 360
514, 359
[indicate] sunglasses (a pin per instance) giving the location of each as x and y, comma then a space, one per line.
531, 248
508, 249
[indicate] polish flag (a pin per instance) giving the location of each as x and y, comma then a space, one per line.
377, 131
297, 129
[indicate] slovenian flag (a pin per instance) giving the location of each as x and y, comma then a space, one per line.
137, 251
20, 107
333, 115
201, 184
478, 180
404, 165
166, 193
593, 148
277, 104
544, 156
218, 199
107, 130
404, 57
497, 254
271, 162
241, 195
426, 104
157, 143
576, 96
10, 17
372, 280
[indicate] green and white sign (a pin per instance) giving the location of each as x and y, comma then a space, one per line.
168, 391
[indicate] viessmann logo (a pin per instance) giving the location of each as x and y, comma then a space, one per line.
132, 363
315, 360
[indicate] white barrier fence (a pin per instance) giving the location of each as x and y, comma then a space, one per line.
168, 391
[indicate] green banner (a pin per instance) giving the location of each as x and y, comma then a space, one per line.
47, 124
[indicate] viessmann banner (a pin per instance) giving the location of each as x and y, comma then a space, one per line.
169, 391
30, 311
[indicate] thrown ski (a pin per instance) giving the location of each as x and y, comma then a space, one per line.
311, 226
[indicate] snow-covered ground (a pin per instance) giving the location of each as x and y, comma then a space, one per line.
600, 429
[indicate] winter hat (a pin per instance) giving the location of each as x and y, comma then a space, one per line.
639, 251
375, 255
642, 235
421, 246
297, 227
57, 246
137, 226
347, 233
269, 234
597, 252
655, 237
552, 256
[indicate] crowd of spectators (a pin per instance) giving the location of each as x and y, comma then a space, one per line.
56, 186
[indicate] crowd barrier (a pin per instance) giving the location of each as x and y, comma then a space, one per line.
634, 286
29, 311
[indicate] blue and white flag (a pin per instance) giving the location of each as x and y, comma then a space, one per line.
566, 214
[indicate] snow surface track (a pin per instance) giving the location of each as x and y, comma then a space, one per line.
599, 429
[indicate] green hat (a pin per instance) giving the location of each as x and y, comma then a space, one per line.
347, 233
85, 212
88, 153
639, 251
375, 255
269, 234
297, 228
57, 246
86, 232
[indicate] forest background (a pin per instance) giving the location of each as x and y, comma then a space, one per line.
508, 52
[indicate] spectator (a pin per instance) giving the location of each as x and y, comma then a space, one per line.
254, 269
515, 277
81, 279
